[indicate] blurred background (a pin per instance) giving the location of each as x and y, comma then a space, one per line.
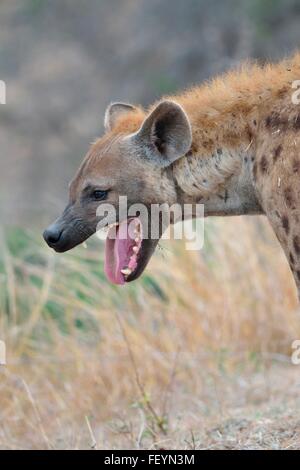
196, 354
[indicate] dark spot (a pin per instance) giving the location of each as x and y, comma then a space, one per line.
255, 170
297, 123
298, 275
226, 196
285, 224
252, 158
255, 122
219, 151
296, 243
296, 166
268, 122
263, 164
194, 148
250, 135
281, 92
292, 259
277, 153
288, 195
275, 122
189, 153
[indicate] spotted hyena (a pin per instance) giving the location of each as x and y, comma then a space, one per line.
232, 144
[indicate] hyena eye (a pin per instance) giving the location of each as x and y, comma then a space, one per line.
99, 194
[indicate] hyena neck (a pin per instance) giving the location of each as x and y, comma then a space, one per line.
220, 178
225, 116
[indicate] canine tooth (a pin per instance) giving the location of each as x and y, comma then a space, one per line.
135, 249
126, 271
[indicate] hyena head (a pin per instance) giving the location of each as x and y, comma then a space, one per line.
132, 159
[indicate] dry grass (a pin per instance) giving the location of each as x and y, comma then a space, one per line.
194, 355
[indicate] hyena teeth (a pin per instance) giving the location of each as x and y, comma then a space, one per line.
135, 249
126, 271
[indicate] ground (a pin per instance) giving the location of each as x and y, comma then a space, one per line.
196, 354
257, 410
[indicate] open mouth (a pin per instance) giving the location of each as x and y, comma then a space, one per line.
124, 258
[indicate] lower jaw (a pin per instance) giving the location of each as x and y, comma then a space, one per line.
147, 249
133, 276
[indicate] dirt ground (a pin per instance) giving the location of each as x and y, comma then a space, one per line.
250, 411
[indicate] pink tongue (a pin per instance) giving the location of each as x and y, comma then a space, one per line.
117, 252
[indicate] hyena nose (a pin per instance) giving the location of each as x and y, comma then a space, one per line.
52, 235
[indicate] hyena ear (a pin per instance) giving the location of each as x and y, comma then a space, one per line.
166, 133
114, 111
